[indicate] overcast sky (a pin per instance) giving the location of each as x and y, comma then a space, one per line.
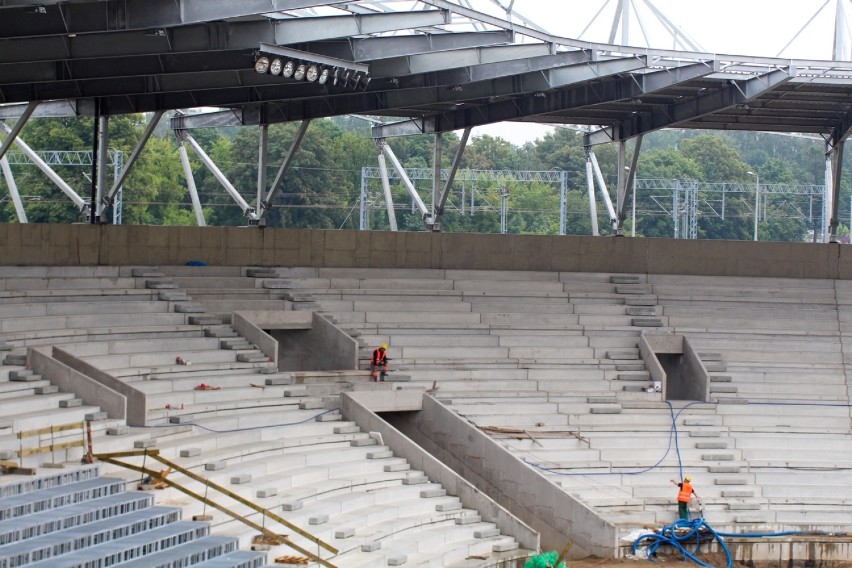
733, 27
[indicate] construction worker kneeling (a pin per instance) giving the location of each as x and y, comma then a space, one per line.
379, 362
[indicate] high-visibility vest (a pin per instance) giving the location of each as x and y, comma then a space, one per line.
685, 492
379, 357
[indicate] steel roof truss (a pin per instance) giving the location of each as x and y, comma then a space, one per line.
732, 94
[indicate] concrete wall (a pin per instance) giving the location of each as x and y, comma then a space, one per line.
243, 323
67, 379
137, 403
357, 407
306, 341
698, 383
513, 484
35, 244
336, 347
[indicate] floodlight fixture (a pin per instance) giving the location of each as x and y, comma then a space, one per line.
275, 66
261, 64
300, 65
312, 73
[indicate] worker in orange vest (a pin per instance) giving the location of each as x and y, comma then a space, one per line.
684, 496
380, 360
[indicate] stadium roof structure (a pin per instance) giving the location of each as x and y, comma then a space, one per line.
437, 61
430, 66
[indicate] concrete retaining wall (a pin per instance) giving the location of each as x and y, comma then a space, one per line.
137, 403
243, 323
527, 493
35, 244
357, 407
67, 379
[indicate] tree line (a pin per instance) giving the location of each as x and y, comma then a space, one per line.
323, 188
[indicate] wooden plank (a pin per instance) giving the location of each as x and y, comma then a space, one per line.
52, 447
52, 429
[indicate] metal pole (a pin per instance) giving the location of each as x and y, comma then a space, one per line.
405, 179
13, 190
826, 194
451, 174
362, 222
13, 133
633, 216
613, 218
54, 177
504, 201
383, 168
119, 179
436, 181
118, 202
93, 213
101, 157
593, 208
563, 202
190, 184
262, 157
756, 202
263, 207
217, 173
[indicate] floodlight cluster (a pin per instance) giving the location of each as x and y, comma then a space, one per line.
310, 72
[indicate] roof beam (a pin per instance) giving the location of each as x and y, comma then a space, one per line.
61, 18
732, 94
209, 37
565, 98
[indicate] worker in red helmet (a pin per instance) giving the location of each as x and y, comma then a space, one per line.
379, 361
684, 496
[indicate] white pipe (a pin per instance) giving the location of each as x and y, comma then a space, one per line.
405, 179
190, 183
13, 189
40, 164
383, 168
593, 208
217, 173
602, 186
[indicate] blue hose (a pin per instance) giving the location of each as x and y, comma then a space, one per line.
696, 530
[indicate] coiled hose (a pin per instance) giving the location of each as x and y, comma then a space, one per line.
681, 534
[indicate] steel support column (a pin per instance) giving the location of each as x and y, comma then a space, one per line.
13, 189
13, 134
131, 161
263, 207
363, 221
217, 173
436, 182
593, 208
118, 202
628, 180
99, 166
837, 168
190, 184
451, 175
613, 218
409, 185
262, 159
383, 168
563, 202
54, 177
